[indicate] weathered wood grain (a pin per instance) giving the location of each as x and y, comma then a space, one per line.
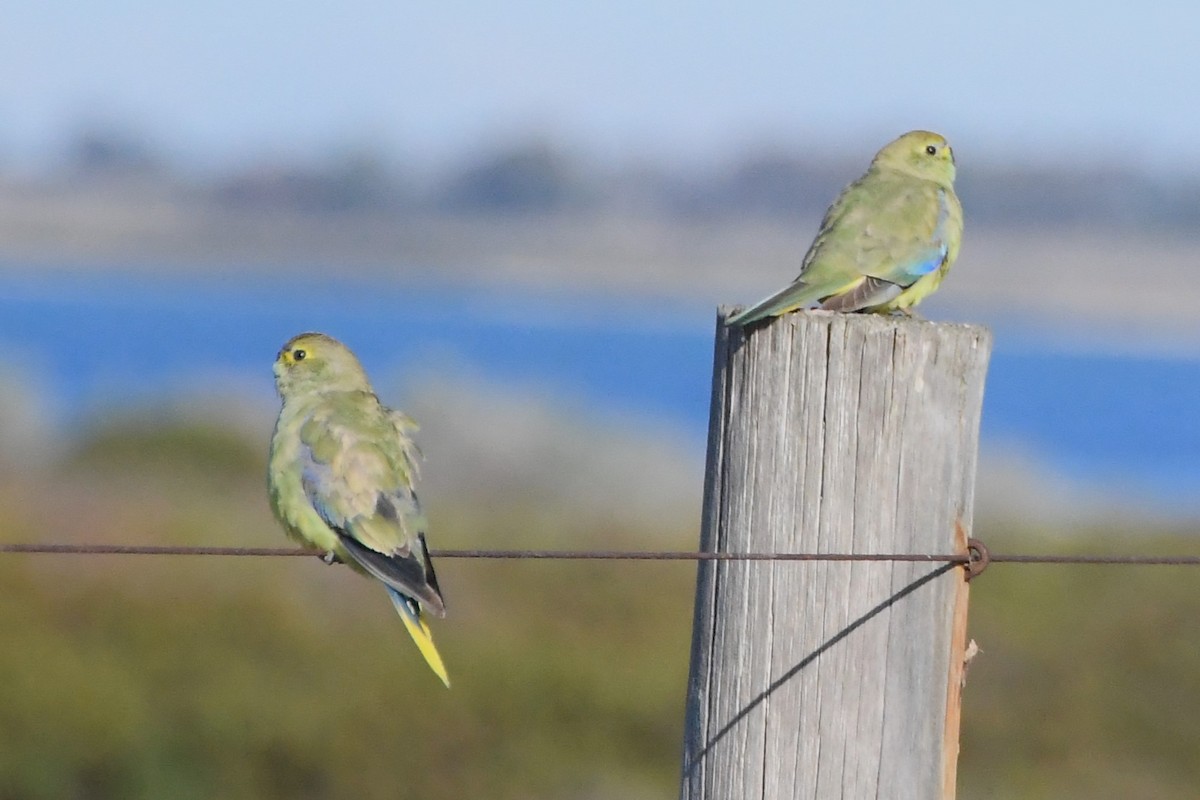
834, 433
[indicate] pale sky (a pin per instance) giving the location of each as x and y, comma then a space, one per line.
223, 80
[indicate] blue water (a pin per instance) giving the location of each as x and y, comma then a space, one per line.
101, 341
92, 339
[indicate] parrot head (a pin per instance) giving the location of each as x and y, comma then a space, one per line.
921, 154
314, 362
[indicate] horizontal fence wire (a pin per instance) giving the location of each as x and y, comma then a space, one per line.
612, 555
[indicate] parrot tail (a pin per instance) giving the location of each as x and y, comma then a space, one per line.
410, 612
789, 298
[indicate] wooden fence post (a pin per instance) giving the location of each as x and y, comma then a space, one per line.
838, 434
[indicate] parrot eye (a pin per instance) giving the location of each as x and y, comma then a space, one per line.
298, 355
931, 149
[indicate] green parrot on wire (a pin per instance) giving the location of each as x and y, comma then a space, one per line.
887, 241
340, 478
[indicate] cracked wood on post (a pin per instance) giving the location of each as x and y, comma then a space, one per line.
839, 434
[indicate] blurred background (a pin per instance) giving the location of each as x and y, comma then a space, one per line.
522, 217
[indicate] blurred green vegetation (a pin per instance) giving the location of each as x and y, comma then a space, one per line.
1089, 681
150, 677
277, 678
169, 446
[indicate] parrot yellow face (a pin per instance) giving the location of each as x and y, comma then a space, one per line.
922, 154
316, 362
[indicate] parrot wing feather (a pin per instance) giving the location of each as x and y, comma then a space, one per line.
869, 293
358, 470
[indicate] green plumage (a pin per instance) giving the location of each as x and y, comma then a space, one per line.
887, 241
341, 477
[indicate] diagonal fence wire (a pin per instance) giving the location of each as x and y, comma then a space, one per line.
615, 555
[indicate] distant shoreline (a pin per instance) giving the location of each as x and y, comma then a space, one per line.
1136, 277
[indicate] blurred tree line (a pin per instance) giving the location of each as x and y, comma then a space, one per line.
539, 176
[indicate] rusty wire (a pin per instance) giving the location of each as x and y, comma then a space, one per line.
624, 555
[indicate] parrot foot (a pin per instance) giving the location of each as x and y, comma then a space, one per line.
331, 557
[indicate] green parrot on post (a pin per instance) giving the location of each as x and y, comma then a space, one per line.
340, 478
887, 241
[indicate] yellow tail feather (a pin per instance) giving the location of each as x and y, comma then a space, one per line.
423, 637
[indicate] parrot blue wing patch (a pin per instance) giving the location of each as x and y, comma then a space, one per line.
929, 264
929, 261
